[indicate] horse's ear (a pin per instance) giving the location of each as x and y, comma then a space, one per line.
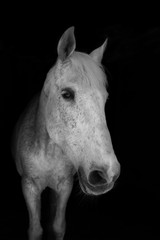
97, 54
67, 44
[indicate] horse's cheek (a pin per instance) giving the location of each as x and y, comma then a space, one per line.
51, 108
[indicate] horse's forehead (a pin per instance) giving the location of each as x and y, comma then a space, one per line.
76, 77
70, 75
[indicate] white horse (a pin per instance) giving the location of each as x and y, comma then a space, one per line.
63, 132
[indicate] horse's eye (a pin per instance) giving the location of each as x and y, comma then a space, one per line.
68, 94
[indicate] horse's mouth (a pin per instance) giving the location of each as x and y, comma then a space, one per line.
90, 189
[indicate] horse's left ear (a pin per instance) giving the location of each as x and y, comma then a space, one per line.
97, 54
67, 44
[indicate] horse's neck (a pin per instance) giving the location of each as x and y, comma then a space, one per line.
46, 110
41, 120
33, 124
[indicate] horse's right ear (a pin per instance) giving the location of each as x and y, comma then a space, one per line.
67, 44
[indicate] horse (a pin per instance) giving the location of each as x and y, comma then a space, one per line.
64, 132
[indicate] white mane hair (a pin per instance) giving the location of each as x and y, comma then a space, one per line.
92, 72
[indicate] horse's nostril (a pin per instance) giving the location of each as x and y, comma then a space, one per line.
97, 178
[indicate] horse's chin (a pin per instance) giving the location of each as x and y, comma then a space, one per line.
89, 189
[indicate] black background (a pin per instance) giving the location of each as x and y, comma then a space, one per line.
28, 49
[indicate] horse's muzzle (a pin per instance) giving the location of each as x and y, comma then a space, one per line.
97, 182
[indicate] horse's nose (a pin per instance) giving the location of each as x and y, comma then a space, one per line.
97, 178
100, 177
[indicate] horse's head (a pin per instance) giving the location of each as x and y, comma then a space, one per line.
75, 95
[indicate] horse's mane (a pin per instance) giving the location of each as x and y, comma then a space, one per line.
93, 72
